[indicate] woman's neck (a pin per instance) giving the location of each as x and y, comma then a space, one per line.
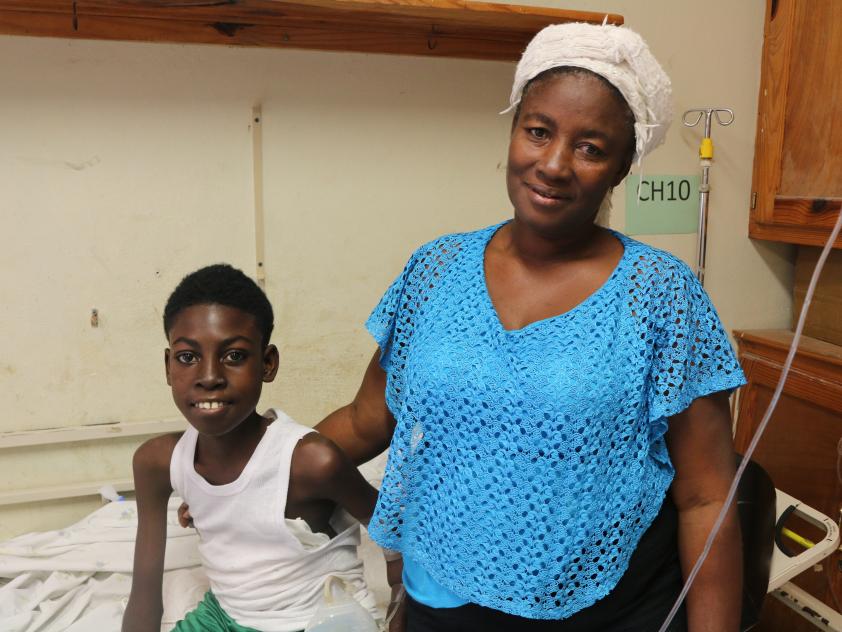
532, 246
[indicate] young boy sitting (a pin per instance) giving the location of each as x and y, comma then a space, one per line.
246, 477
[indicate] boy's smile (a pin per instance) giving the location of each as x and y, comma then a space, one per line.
216, 366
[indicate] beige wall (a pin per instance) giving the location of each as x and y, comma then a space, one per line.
125, 165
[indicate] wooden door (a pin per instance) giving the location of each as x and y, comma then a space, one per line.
797, 181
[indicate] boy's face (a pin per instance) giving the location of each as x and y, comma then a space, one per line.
216, 366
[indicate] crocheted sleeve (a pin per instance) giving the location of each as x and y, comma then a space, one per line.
692, 355
392, 322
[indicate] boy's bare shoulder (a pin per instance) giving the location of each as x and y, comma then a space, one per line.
155, 454
316, 459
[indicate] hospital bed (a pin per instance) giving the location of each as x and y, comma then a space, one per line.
77, 579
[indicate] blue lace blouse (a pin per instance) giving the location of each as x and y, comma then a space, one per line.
526, 464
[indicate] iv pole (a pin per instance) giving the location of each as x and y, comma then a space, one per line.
705, 160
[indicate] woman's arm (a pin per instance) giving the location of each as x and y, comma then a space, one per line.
363, 428
701, 449
151, 466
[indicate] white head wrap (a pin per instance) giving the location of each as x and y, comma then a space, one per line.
620, 56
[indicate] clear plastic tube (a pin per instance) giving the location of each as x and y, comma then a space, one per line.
732, 492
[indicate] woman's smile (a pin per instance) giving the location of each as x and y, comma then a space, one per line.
545, 196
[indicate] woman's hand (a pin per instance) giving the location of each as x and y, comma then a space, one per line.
396, 612
184, 517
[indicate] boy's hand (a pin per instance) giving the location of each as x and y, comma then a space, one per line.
184, 517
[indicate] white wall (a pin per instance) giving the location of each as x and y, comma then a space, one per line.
124, 166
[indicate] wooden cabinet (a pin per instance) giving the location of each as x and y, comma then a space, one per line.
797, 180
800, 448
796, 198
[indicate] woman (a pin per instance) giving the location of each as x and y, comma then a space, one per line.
554, 394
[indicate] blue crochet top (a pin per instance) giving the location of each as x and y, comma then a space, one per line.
526, 464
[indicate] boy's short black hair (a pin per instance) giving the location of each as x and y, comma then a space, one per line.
221, 284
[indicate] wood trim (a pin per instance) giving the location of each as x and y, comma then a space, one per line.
441, 28
485, 45
38, 6
817, 357
802, 221
800, 384
392, 12
810, 212
801, 235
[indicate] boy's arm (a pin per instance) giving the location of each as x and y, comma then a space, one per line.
151, 466
321, 470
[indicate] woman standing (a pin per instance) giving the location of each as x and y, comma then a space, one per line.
554, 394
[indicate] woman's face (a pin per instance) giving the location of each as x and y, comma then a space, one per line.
571, 142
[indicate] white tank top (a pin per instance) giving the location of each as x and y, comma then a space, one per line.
260, 572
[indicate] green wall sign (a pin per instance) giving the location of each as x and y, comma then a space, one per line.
668, 205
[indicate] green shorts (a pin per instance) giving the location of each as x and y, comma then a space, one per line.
209, 616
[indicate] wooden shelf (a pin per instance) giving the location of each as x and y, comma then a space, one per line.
437, 28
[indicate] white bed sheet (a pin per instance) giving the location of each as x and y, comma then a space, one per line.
77, 579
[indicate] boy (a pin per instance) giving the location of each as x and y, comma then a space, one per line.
244, 476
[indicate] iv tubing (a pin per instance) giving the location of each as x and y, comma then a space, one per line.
762, 427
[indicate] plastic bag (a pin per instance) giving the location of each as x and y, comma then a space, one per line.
340, 613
